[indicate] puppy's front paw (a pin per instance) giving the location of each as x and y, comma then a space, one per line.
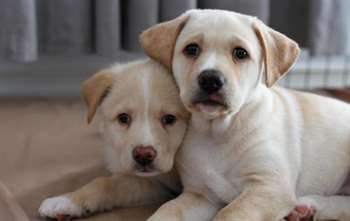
60, 207
314, 203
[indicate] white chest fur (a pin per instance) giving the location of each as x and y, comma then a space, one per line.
217, 156
207, 165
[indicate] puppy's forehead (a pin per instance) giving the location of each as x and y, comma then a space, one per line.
142, 85
218, 24
126, 87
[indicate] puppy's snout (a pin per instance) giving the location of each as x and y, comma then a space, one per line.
211, 81
144, 155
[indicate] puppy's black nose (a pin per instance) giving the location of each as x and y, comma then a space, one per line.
144, 155
211, 80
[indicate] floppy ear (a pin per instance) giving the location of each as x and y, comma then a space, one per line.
94, 90
279, 52
158, 41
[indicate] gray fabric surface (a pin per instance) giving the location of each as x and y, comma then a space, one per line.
258, 8
137, 15
18, 36
29, 28
108, 27
64, 26
169, 9
292, 18
330, 27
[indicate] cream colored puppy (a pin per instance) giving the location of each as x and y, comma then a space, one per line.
144, 123
251, 149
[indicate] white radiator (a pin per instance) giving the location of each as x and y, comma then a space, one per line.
315, 72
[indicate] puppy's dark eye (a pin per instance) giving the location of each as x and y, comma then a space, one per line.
240, 53
192, 50
168, 119
124, 119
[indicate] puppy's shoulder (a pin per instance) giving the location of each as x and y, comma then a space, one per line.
317, 104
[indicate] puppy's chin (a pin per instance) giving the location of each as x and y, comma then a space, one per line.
148, 171
146, 174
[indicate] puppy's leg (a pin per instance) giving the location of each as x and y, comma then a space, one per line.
103, 193
328, 207
187, 207
259, 202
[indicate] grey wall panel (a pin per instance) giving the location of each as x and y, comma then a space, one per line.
259, 8
108, 27
170, 9
18, 36
65, 26
137, 15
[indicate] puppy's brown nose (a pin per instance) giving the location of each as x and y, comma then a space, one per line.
144, 155
211, 81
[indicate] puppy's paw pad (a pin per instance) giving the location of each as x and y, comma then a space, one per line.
305, 210
60, 207
301, 212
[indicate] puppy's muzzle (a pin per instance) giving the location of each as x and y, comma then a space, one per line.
211, 81
144, 155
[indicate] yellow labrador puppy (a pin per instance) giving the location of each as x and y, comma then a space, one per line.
251, 148
144, 123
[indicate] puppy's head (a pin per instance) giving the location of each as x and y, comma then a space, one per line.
143, 118
219, 58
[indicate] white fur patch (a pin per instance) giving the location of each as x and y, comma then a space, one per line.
210, 62
146, 91
111, 163
60, 205
220, 186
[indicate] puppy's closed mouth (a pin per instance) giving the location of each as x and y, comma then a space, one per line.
148, 170
210, 100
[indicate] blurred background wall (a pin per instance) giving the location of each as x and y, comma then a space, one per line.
48, 46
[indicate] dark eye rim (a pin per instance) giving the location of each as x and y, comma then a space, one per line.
172, 122
185, 50
126, 120
234, 51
